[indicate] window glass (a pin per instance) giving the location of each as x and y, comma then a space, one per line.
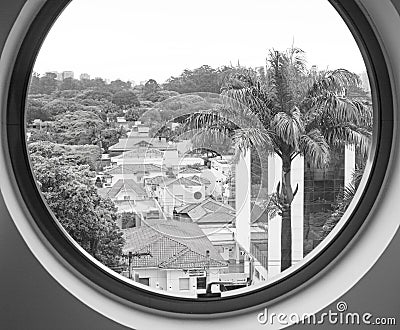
216, 140
184, 283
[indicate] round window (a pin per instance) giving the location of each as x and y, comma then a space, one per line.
186, 171
198, 195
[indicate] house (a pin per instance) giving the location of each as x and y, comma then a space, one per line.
222, 164
144, 210
135, 172
129, 196
178, 191
38, 124
217, 221
175, 257
187, 172
139, 156
124, 190
122, 123
152, 183
138, 137
134, 141
218, 187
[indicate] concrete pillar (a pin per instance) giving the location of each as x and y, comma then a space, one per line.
275, 223
298, 209
237, 253
242, 200
349, 163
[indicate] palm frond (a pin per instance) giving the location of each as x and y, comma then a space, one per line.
335, 81
244, 91
288, 127
315, 148
331, 108
245, 138
342, 134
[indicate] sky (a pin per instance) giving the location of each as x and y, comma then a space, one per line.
156, 39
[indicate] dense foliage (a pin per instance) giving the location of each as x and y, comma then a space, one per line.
65, 179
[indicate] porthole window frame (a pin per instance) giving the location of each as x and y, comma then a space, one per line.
101, 276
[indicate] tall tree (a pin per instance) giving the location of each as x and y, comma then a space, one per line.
289, 112
202, 79
73, 198
79, 127
125, 99
48, 83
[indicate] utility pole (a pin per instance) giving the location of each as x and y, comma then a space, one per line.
207, 267
132, 255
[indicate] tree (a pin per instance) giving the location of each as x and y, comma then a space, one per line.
70, 84
133, 114
202, 79
110, 136
343, 201
72, 197
289, 112
35, 110
34, 84
151, 91
79, 127
118, 85
60, 106
97, 94
75, 154
125, 99
48, 83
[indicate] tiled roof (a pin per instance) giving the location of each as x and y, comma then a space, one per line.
172, 244
199, 179
127, 184
103, 192
212, 205
189, 170
132, 142
258, 215
141, 153
157, 180
139, 206
182, 181
217, 217
209, 205
135, 168
209, 211
186, 208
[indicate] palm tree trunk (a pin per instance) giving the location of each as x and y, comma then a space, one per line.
286, 239
286, 232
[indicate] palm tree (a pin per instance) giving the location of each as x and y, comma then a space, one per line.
289, 111
343, 201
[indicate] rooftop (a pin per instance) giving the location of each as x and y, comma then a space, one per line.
172, 245
208, 211
190, 170
135, 168
181, 181
135, 141
140, 206
120, 185
142, 153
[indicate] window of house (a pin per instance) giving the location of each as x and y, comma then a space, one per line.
184, 284
328, 174
144, 280
201, 282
